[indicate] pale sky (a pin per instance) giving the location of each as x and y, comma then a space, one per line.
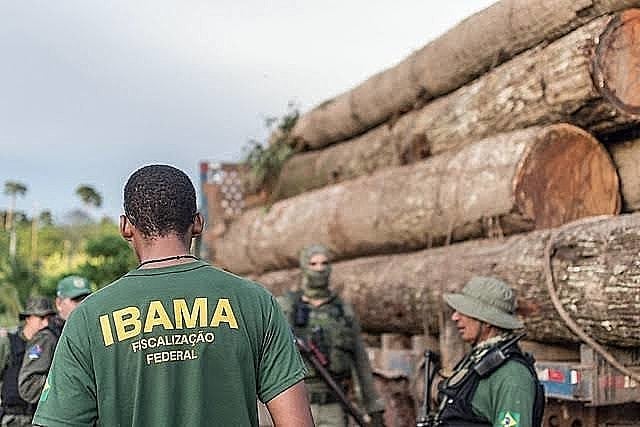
92, 90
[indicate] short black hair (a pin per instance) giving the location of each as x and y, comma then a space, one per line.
160, 200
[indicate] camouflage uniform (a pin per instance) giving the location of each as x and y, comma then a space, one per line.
39, 354
18, 413
333, 327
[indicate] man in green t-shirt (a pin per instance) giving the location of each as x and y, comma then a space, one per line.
495, 384
175, 341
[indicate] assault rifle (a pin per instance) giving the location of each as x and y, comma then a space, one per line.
431, 364
312, 353
494, 358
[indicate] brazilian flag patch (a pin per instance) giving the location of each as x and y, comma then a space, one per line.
509, 419
45, 390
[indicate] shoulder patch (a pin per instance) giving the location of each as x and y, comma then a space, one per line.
509, 419
34, 352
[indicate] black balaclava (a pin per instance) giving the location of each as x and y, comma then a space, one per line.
315, 284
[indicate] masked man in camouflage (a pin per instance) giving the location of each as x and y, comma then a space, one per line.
495, 384
319, 316
17, 412
70, 292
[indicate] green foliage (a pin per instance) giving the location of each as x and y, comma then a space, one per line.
109, 258
9, 306
265, 164
18, 275
89, 195
14, 188
94, 250
45, 218
47, 252
264, 161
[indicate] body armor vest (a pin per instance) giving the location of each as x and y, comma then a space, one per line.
12, 403
456, 393
329, 328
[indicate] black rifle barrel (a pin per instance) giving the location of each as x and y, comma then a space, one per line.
307, 353
425, 418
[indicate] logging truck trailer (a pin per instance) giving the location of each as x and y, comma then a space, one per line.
582, 389
591, 392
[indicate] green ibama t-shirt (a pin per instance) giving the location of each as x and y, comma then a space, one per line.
186, 345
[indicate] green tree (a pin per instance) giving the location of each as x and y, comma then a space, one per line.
89, 196
20, 276
109, 258
265, 160
45, 218
13, 189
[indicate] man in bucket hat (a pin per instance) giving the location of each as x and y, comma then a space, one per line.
495, 384
18, 412
70, 292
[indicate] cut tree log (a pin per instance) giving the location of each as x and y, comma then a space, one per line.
465, 52
533, 178
626, 156
549, 85
595, 266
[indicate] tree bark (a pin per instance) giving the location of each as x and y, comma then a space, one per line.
594, 265
468, 50
533, 178
549, 85
626, 156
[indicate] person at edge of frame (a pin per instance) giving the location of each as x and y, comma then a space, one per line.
174, 341
70, 292
318, 315
16, 411
495, 384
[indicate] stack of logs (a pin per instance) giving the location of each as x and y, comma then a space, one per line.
463, 160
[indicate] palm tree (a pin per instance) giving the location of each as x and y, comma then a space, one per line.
13, 189
89, 196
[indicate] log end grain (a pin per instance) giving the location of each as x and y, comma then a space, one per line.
616, 64
565, 176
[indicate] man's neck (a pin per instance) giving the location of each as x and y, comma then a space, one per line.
157, 249
316, 302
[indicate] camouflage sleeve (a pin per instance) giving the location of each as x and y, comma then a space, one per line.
35, 365
362, 367
5, 353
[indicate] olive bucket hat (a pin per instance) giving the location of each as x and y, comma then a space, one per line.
37, 306
489, 300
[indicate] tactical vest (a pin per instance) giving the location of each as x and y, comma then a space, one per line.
457, 393
12, 403
329, 327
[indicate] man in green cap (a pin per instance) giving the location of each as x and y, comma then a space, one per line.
18, 412
70, 292
321, 317
495, 384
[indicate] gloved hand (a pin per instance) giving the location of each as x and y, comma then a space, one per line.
377, 419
